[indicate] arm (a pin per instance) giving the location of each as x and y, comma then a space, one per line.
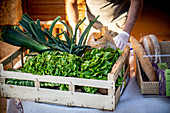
72, 12
133, 13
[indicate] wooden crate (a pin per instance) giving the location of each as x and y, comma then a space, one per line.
71, 97
147, 87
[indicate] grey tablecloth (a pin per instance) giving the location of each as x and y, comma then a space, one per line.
131, 101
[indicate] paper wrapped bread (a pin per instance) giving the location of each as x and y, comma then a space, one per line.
101, 40
151, 46
144, 61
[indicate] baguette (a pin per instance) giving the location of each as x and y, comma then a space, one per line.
144, 61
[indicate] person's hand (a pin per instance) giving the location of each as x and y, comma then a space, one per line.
121, 39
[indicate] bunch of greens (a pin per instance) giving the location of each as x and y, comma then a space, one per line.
97, 64
54, 63
38, 39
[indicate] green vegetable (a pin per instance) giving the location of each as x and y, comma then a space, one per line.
54, 63
18, 38
20, 82
98, 63
42, 40
95, 64
89, 89
53, 24
16, 70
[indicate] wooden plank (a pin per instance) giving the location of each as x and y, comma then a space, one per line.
59, 97
1, 68
2, 80
11, 56
46, 2
7, 59
6, 49
47, 9
46, 17
126, 72
116, 69
117, 96
71, 87
37, 83
111, 92
58, 79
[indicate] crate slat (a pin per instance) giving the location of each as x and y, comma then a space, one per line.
116, 69
58, 79
59, 97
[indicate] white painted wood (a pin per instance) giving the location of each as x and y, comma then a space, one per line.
111, 92
58, 79
71, 87
59, 97
2, 80
111, 77
1, 67
37, 83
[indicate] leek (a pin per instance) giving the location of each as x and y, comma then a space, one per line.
20, 39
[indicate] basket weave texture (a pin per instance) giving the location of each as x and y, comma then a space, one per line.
147, 87
165, 50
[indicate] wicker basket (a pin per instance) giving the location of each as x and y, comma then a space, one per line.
145, 86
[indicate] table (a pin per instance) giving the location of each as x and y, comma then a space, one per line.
131, 101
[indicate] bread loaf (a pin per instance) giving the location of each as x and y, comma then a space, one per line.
144, 61
151, 46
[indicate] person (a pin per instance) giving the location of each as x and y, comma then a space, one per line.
118, 15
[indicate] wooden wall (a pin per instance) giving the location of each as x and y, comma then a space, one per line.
44, 9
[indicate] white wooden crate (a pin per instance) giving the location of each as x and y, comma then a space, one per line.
71, 97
